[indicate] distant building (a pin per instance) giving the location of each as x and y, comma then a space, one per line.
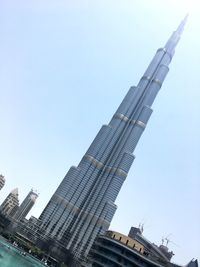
26, 205
10, 204
117, 250
2, 181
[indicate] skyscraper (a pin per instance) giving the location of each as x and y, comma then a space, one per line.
2, 181
83, 205
26, 205
10, 204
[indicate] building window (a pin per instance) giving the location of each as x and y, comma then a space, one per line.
127, 242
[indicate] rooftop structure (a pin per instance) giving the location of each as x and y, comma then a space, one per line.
116, 249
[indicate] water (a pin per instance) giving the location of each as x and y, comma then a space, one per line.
11, 257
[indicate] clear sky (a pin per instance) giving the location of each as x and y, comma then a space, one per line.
64, 68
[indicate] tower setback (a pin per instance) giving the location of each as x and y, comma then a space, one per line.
83, 205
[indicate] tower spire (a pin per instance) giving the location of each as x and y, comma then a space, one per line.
182, 24
175, 37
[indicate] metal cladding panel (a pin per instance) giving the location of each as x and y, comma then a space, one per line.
98, 229
154, 63
93, 226
145, 115
162, 72
127, 101
68, 182
100, 139
126, 161
133, 139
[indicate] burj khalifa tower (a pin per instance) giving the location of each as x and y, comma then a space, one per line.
83, 205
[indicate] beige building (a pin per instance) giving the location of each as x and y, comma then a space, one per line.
10, 204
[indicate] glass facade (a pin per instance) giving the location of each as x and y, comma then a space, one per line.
26, 205
83, 205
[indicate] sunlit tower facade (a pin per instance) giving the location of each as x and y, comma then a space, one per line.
83, 205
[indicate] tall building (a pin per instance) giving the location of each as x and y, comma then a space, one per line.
26, 205
10, 204
2, 181
83, 205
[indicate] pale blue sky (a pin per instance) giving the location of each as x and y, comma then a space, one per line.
65, 67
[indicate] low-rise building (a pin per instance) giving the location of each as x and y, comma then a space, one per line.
114, 249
